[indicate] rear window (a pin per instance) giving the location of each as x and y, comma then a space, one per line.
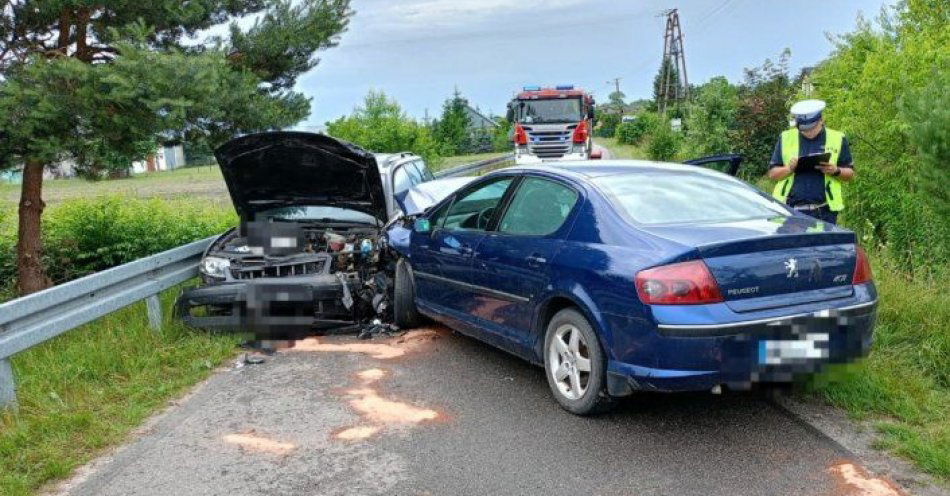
685, 198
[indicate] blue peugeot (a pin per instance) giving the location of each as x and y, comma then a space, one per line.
623, 276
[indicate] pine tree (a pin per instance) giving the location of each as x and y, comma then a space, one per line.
452, 129
100, 83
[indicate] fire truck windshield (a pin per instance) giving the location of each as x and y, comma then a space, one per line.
549, 111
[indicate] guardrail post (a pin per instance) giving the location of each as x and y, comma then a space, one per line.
7, 385
154, 308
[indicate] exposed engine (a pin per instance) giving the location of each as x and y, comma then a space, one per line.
301, 275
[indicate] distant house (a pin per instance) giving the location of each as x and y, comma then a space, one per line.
167, 157
477, 120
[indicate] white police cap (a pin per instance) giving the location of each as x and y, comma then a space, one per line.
808, 113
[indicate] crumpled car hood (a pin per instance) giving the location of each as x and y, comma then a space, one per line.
427, 194
282, 169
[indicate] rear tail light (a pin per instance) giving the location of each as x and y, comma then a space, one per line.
685, 283
862, 269
521, 137
581, 132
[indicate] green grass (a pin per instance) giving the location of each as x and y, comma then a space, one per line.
87, 389
903, 386
204, 183
449, 162
618, 151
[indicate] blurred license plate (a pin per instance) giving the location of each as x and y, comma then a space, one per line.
782, 352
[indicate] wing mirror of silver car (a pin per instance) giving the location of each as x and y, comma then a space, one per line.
421, 225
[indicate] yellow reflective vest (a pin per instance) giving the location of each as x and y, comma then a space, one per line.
833, 190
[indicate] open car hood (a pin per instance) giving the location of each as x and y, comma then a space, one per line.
283, 169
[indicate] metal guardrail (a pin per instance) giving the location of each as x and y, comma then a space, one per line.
474, 166
35, 318
28, 321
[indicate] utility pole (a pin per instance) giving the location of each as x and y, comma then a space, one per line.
616, 83
674, 84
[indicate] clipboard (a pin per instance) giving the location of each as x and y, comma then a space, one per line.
811, 162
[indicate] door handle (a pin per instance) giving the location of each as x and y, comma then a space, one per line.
536, 260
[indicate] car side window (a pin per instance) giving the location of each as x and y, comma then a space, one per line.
424, 171
539, 207
473, 210
401, 181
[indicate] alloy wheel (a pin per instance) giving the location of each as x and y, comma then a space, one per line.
569, 361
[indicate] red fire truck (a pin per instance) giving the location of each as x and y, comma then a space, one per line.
551, 124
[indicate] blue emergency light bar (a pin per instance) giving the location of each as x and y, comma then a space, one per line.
565, 87
532, 88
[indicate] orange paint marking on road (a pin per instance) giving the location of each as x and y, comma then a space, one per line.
357, 433
854, 480
370, 376
380, 410
392, 348
253, 442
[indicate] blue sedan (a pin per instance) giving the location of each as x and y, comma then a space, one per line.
626, 276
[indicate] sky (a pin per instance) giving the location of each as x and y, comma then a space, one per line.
418, 51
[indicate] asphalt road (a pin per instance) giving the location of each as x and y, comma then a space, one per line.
438, 413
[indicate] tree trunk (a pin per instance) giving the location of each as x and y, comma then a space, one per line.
29, 249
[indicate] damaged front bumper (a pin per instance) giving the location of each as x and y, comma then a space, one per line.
272, 308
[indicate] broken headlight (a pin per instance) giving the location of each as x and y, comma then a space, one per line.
214, 266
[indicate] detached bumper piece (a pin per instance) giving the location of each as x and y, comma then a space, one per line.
276, 309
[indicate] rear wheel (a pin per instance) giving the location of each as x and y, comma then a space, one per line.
574, 364
405, 313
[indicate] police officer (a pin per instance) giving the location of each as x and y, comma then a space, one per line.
817, 192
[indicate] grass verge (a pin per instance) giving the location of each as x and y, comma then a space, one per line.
903, 387
619, 151
87, 389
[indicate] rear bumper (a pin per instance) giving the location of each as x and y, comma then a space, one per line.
738, 354
271, 308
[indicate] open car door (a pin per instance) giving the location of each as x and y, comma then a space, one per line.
728, 163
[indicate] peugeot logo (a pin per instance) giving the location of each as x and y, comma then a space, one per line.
791, 268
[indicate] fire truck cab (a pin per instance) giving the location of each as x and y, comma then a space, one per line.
551, 124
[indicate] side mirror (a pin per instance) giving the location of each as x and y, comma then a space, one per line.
421, 225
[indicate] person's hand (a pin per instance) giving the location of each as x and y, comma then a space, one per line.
792, 164
827, 168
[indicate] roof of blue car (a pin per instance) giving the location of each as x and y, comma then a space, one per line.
596, 168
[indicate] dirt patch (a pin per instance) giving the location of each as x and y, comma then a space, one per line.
410, 342
250, 441
854, 480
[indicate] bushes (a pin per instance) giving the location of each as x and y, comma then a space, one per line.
664, 143
712, 119
607, 124
380, 125
84, 236
633, 132
886, 91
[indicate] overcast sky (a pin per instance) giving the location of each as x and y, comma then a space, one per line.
417, 51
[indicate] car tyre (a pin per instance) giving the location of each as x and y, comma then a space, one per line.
405, 313
575, 364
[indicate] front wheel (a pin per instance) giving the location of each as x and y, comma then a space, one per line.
405, 314
574, 364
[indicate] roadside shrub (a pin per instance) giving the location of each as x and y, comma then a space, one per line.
88, 235
762, 114
712, 119
633, 132
664, 143
607, 124
895, 115
380, 125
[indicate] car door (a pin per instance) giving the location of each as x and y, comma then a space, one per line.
512, 264
442, 258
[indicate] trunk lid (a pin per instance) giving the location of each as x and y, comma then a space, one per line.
770, 263
283, 169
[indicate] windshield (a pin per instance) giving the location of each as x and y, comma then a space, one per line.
685, 197
305, 213
549, 111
